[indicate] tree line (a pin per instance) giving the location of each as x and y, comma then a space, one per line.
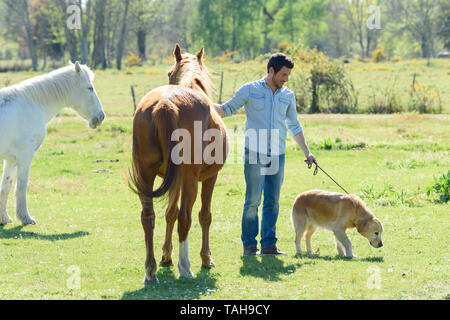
102, 32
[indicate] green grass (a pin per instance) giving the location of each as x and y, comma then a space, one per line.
87, 217
91, 221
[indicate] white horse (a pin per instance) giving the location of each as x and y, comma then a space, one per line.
25, 110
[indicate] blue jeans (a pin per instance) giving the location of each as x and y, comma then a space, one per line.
262, 174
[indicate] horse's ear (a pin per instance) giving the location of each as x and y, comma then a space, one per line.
177, 53
200, 54
77, 67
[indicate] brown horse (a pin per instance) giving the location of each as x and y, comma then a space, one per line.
181, 108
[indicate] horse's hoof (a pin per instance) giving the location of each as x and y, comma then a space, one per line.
149, 282
185, 273
29, 220
5, 220
166, 264
210, 265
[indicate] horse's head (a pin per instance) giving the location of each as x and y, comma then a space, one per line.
84, 98
189, 70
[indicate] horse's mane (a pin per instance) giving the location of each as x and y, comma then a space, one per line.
47, 88
190, 72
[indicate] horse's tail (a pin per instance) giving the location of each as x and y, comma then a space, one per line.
164, 118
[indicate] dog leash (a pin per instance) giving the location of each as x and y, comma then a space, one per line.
315, 173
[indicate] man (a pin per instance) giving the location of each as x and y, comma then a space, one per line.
270, 109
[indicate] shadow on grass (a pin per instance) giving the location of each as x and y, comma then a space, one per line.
340, 258
172, 288
268, 267
17, 233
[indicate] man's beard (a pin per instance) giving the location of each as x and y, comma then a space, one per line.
277, 85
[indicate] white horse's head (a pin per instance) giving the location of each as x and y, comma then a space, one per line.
84, 98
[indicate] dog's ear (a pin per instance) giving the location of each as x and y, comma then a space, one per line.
362, 224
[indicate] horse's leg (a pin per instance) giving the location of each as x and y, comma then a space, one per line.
9, 172
148, 223
23, 173
205, 220
188, 194
171, 217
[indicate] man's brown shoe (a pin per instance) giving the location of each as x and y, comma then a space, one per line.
251, 251
273, 251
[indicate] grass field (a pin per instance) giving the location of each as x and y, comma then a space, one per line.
371, 80
89, 222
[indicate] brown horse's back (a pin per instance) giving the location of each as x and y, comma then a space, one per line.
168, 108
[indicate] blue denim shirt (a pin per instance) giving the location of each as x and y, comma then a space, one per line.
269, 115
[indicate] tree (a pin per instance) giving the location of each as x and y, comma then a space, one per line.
299, 19
338, 40
85, 27
358, 13
419, 16
230, 25
71, 39
443, 23
268, 21
142, 12
98, 53
121, 43
19, 10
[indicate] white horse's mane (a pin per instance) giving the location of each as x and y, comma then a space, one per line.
46, 88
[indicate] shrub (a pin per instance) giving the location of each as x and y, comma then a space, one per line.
327, 144
319, 84
133, 60
227, 56
441, 187
151, 71
285, 46
390, 197
397, 59
378, 55
424, 99
385, 101
153, 58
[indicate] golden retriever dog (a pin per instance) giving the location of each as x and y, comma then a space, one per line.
336, 212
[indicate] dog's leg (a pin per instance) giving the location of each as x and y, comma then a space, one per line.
309, 232
339, 247
298, 243
299, 222
342, 237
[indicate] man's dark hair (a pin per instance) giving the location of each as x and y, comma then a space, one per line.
278, 61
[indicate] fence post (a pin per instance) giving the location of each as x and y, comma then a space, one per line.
134, 98
221, 87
